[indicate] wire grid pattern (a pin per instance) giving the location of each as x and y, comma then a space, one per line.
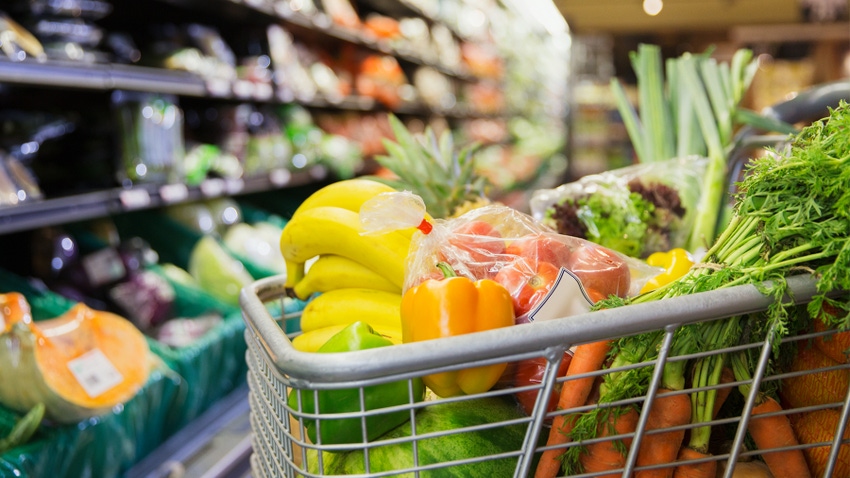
277, 428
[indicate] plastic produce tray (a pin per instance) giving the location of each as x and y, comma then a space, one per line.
275, 368
103, 446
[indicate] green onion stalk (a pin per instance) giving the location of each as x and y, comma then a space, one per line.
790, 216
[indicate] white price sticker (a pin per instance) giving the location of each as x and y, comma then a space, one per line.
280, 177
234, 186
212, 187
567, 297
135, 198
103, 266
263, 91
243, 89
95, 373
174, 192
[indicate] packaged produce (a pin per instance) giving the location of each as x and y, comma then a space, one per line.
216, 271
151, 138
333, 430
636, 210
79, 365
184, 331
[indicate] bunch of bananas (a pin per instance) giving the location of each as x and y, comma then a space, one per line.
358, 276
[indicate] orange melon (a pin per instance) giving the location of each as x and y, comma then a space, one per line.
818, 427
79, 365
814, 388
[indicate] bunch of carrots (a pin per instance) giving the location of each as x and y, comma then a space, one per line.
791, 215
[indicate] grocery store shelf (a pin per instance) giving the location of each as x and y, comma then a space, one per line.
92, 205
101, 77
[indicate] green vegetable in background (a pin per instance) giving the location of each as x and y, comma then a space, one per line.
23, 429
357, 336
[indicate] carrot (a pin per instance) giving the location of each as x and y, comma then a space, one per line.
657, 448
726, 376
707, 469
775, 432
610, 455
587, 358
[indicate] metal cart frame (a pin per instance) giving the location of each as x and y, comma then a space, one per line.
275, 368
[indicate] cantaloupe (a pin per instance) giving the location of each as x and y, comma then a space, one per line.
814, 388
79, 365
819, 427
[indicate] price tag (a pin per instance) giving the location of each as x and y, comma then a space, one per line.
234, 186
218, 86
243, 89
212, 187
95, 373
135, 198
567, 297
103, 266
263, 91
174, 193
280, 177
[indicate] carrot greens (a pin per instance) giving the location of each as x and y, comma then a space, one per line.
791, 215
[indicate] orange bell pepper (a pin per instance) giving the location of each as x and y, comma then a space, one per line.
454, 306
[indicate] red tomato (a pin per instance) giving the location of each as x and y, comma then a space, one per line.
542, 248
601, 270
527, 283
530, 372
477, 245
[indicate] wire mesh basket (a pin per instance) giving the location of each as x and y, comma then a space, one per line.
494, 441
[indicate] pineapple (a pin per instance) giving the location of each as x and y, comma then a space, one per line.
431, 168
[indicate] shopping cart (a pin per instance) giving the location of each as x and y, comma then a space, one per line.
277, 370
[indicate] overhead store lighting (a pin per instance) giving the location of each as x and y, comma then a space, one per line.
652, 7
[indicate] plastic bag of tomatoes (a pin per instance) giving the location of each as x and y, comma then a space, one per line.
503, 244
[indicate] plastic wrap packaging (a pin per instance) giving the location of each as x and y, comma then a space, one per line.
636, 210
500, 243
105, 445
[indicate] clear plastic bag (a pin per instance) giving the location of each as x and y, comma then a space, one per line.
636, 210
500, 243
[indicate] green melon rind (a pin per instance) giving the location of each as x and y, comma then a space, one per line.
442, 449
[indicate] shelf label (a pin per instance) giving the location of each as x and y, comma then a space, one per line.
263, 91
280, 177
213, 187
243, 89
135, 198
171, 193
218, 86
95, 373
234, 186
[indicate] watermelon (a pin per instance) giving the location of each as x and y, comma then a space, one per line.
441, 417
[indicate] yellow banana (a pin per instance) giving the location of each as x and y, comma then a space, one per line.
334, 230
348, 194
312, 340
331, 272
345, 306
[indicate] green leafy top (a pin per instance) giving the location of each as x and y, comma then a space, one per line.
431, 167
790, 217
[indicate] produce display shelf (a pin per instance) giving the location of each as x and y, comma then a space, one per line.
101, 77
63, 210
317, 23
275, 369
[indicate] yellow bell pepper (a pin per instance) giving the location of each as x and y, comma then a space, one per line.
676, 262
454, 306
